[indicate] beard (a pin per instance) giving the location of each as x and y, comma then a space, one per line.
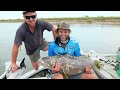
32, 23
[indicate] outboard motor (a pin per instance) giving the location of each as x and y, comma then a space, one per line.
16, 74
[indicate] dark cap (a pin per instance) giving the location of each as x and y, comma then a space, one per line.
24, 12
27, 11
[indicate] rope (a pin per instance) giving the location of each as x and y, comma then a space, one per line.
112, 61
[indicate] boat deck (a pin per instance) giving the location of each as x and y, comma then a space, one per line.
107, 69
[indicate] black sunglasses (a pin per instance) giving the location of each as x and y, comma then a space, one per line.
28, 17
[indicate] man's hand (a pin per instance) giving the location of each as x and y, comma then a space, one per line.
13, 67
56, 67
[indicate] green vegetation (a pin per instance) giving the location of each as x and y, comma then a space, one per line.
86, 19
11, 20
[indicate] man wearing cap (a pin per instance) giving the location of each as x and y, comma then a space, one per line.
31, 33
66, 45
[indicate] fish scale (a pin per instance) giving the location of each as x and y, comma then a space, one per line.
71, 65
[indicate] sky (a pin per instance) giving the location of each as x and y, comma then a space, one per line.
54, 14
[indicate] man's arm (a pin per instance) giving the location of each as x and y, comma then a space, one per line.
53, 31
14, 66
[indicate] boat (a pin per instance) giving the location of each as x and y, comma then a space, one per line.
108, 65
8, 73
41, 73
105, 68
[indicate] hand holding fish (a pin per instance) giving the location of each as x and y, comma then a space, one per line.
56, 67
88, 70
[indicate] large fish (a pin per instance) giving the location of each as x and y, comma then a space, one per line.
71, 65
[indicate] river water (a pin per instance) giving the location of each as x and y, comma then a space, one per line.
103, 39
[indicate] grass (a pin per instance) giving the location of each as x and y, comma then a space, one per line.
86, 19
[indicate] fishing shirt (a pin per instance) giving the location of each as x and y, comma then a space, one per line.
72, 48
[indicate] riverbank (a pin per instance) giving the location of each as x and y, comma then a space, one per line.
81, 20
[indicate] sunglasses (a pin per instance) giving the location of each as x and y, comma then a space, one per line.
28, 17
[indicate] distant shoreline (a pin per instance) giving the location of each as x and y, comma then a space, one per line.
83, 22
79, 20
